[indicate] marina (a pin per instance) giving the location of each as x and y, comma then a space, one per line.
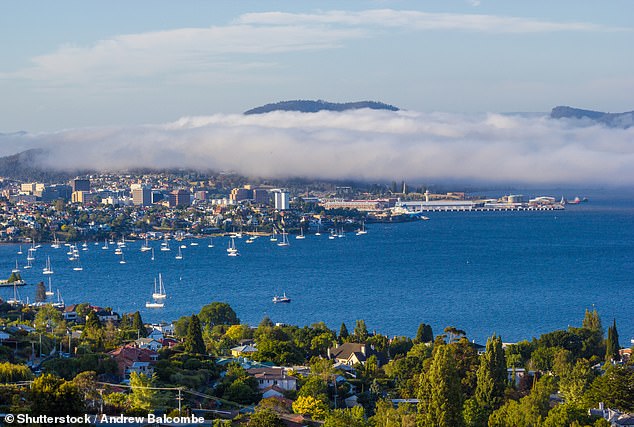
515, 273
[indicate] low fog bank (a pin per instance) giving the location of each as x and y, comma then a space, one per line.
365, 145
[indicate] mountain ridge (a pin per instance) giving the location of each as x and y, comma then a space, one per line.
616, 120
310, 106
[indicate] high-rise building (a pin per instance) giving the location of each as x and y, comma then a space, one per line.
179, 198
261, 196
157, 196
141, 195
82, 197
240, 194
281, 199
55, 191
28, 188
78, 184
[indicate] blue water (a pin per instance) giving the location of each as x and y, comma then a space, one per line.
518, 274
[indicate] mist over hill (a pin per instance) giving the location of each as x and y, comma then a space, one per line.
364, 144
30, 165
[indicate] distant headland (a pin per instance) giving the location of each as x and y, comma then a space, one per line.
617, 120
308, 106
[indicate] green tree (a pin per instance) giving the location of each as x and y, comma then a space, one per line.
266, 322
574, 382
542, 358
386, 415
265, 418
399, 346
137, 325
612, 345
54, 396
343, 332
454, 334
405, 371
142, 397
360, 333
10, 372
424, 333
567, 415
242, 390
322, 368
352, 417
613, 388
48, 318
530, 411
194, 343
181, 326
440, 395
218, 313
592, 321
311, 406
238, 332
491, 383
322, 342
315, 387
86, 383
93, 330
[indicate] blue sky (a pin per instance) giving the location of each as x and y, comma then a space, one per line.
74, 64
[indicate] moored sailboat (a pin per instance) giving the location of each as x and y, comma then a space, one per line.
48, 269
284, 241
159, 293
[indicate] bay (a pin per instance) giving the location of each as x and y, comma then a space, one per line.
518, 274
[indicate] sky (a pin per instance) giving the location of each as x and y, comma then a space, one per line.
158, 81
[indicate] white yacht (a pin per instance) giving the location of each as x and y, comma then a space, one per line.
48, 269
284, 241
232, 250
159, 292
146, 246
49, 292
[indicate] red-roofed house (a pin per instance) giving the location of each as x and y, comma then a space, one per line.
132, 359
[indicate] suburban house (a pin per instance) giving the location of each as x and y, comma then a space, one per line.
350, 353
515, 375
69, 313
140, 368
243, 350
105, 316
148, 343
133, 359
272, 391
156, 334
273, 377
165, 328
614, 417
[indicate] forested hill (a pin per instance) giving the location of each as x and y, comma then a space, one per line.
27, 166
617, 120
306, 106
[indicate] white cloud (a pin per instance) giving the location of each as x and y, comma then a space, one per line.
416, 20
178, 52
363, 144
172, 54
